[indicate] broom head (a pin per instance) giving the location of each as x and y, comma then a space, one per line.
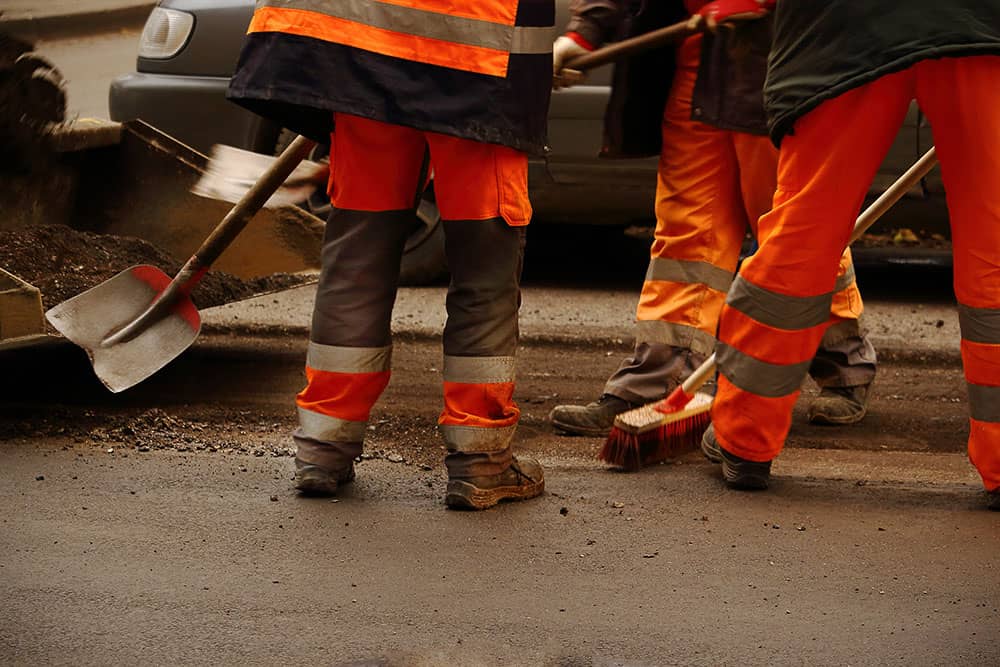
657, 432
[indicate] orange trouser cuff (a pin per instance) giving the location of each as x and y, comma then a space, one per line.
348, 396
485, 405
744, 435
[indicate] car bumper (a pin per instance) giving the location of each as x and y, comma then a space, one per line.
181, 105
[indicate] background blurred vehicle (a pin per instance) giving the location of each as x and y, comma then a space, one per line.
189, 48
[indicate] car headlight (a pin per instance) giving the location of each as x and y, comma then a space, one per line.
165, 33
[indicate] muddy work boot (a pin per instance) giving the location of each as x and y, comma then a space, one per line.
313, 480
839, 405
595, 419
739, 473
320, 467
993, 500
522, 480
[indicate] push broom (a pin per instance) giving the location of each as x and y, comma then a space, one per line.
674, 425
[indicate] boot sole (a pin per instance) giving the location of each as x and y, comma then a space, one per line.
993, 500
736, 474
710, 450
827, 420
462, 495
576, 430
315, 481
737, 477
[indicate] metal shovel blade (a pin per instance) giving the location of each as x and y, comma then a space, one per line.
89, 318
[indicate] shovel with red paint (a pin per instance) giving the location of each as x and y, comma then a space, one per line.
135, 323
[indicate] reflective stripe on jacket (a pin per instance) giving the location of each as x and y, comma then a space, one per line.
480, 73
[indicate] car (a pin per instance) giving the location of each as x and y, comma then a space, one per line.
189, 48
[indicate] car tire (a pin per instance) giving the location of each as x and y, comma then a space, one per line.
424, 260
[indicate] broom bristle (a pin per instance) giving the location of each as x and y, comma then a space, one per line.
648, 435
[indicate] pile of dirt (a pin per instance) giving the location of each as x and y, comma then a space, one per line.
62, 262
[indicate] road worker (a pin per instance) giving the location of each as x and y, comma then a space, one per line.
717, 174
840, 79
407, 84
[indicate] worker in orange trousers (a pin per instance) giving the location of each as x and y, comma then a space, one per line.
839, 84
408, 85
717, 176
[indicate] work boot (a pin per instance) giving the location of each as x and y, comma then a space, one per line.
739, 473
314, 480
839, 405
993, 500
594, 419
522, 480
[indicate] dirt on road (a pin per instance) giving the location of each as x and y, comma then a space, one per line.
236, 393
159, 526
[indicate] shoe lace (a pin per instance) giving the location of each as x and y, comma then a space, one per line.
516, 467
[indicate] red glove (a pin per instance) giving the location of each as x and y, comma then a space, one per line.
723, 10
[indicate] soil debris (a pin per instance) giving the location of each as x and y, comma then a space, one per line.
32, 103
63, 262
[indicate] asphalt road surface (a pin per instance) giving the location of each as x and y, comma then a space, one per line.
158, 526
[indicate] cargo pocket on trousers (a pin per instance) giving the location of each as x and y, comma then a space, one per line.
512, 185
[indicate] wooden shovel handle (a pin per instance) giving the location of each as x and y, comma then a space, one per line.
252, 201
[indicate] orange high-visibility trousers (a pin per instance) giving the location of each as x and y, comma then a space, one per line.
712, 184
376, 179
769, 327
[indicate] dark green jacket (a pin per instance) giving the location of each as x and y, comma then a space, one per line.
823, 48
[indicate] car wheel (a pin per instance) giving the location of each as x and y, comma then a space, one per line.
424, 260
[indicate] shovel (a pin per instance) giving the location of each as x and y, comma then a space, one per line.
135, 323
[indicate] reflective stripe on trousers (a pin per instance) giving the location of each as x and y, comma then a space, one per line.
821, 187
480, 338
349, 354
712, 183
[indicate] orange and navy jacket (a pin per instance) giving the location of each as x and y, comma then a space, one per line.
478, 69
